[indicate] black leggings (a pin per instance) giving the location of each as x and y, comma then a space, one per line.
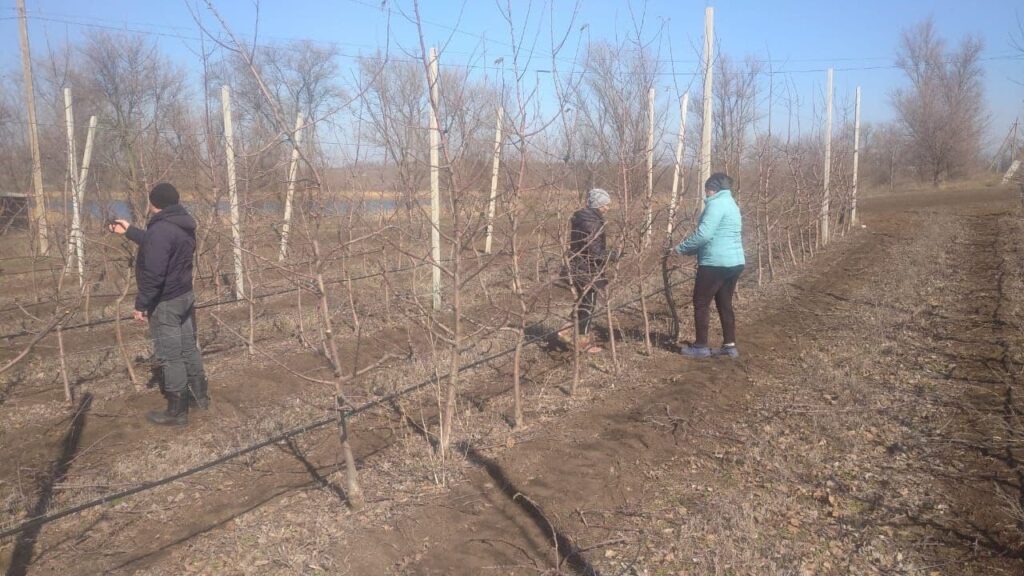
716, 283
585, 307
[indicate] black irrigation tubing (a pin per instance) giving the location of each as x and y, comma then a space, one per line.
25, 257
204, 305
48, 518
226, 301
201, 277
305, 428
59, 268
206, 277
215, 303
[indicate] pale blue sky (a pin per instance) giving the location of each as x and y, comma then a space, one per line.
803, 36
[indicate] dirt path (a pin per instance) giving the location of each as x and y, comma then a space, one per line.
872, 428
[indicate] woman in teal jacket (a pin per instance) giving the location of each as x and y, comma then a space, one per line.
718, 244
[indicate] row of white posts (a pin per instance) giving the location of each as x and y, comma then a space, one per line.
78, 179
827, 168
677, 178
705, 140
293, 172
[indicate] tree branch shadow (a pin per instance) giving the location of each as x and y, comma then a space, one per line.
568, 552
292, 448
24, 547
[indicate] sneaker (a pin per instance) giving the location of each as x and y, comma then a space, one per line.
695, 351
728, 351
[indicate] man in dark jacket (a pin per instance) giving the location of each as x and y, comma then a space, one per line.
163, 273
588, 258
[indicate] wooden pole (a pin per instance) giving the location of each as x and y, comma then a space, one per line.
38, 203
1010, 172
677, 176
494, 180
236, 231
827, 169
83, 174
1011, 137
293, 173
83, 177
856, 155
1014, 160
649, 220
75, 243
1013, 141
705, 134
435, 183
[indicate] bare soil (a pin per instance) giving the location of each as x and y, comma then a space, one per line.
871, 427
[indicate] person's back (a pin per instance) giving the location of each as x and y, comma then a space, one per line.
163, 272
586, 237
588, 255
166, 253
725, 247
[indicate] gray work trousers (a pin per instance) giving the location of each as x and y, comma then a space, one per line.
174, 342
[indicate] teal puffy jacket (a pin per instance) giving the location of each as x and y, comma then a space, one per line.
718, 240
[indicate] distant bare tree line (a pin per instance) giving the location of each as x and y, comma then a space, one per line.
155, 122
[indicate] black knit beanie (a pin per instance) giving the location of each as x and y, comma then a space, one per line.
163, 195
718, 181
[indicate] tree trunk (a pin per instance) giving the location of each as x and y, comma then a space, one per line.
611, 330
353, 491
647, 322
120, 339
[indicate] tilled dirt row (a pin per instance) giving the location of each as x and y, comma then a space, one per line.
58, 462
253, 398
293, 525
872, 429
397, 467
775, 464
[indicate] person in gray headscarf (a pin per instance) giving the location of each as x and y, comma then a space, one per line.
588, 258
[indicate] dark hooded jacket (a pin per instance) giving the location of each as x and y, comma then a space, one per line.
588, 249
163, 268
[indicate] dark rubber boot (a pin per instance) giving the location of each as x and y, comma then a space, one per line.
176, 413
198, 397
